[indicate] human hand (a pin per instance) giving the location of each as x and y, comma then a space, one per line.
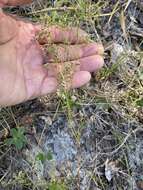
22, 74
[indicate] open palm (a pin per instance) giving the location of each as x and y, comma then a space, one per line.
22, 74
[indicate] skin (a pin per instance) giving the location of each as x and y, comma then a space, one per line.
22, 73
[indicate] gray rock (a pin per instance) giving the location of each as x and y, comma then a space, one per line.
62, 146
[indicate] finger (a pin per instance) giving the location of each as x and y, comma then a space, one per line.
63, 53
80, 78
50, 84
13, 2
57, 34
90, 64
8, 28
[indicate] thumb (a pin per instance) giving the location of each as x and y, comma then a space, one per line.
8, 28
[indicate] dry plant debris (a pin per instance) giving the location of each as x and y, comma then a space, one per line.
60, 53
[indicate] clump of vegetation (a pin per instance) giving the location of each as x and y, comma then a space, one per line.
18, 139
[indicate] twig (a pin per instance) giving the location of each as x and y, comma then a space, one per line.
125, 140
65, 9
115, 9
6, 173
54, 9
127, 5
